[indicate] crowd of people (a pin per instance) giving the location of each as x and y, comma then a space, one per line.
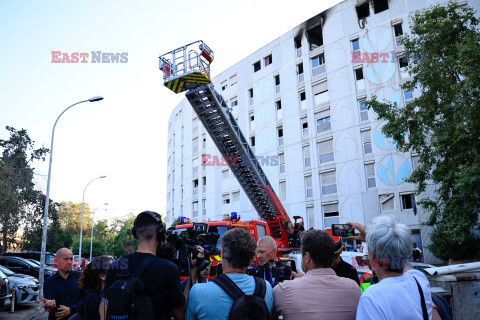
150, 287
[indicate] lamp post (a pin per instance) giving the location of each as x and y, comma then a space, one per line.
91, 234
47, 197
81, 223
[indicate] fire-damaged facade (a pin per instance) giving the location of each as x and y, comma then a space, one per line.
299, 102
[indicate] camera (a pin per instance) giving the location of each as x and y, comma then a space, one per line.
185, 244
281, 270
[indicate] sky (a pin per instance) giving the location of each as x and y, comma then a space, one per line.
124, 136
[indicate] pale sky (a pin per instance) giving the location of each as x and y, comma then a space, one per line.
123, 136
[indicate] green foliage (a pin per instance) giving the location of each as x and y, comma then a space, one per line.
176, 222
123, 241
442, 124
70, 215
16, 180
98, 247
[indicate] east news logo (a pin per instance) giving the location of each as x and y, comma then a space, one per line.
96, 57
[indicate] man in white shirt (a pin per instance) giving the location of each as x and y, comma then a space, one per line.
398, 295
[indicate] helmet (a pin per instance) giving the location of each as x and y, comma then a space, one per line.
337, 247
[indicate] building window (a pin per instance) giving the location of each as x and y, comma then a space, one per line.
195, 208
322, 120
380, 5
257, 66
318, 65
204, 206
195, 145
280, 136
283, 190
298, 46
304, 123
308, 187
329, 182
195, 187
320, 93
277, 83
415, 162
194, 166
387, 202
300, 72
303, 100
224, 85
315, 37
233, 80
250, 96
403, 64
251, 116
310, 213
370, 173
367, 141
398, 32
252, 141
355, 45
195, 126
225, 175
325, 151
268, 60
236, 196
359, 82
306, 156
233, 102
330, 214
226, 198
408, 95
204, 141
278, 107
281, 160
363, 110
408, 201
363, 10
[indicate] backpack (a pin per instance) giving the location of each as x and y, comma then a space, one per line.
245, 307
126, 296
416, 255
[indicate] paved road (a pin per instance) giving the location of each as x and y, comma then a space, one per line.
26, 312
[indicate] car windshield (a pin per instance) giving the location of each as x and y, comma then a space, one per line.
49, 259
7, 271
34, 261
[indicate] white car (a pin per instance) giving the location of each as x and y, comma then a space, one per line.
26, 287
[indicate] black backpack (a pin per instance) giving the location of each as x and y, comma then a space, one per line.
416, 254
245, 307
126, 296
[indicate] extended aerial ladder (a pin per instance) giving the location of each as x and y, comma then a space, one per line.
186, 69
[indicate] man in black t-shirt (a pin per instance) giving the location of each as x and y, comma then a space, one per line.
161, 277
342, 268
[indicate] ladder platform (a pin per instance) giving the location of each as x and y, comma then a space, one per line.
187, 81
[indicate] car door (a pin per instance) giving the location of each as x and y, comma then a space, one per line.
19, 267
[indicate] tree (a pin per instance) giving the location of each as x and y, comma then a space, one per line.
101, 230
442, 124
32, 234
123, 242
98, 247
16, 179
70, 215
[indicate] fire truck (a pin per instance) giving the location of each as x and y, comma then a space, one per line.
187, 69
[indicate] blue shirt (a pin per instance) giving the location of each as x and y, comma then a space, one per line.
64, 291
209, 301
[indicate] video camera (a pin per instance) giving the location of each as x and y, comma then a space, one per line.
185, 244
281, 270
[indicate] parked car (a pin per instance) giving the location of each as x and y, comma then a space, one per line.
35, 261
23, 266
5, 294
26, 287
36, 255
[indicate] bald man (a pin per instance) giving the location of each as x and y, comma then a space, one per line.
61, 293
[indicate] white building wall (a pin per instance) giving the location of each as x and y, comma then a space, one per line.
355, 201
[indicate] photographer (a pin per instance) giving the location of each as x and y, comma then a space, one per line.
320, 293
200, 271
209, 300
160, 277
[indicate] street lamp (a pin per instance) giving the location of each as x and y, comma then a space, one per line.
91, 234
81, 223
47, 195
